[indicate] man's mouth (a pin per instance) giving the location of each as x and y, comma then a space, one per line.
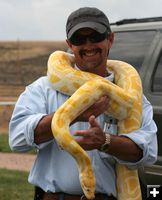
90, 53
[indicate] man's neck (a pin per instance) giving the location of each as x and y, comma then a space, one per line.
101, 72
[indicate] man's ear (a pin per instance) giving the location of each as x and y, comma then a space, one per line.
111, 38
69, 44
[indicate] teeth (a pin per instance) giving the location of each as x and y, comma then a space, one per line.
90, 53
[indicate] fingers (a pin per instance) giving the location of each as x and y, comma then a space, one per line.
91, 138
96, 109
100, 106
93, 122
83, 133
104, 100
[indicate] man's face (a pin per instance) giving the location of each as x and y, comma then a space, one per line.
91, 56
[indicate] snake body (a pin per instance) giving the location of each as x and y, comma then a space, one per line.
125, 105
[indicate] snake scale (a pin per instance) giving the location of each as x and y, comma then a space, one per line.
125, 105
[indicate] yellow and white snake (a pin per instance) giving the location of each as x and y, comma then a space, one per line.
85, 89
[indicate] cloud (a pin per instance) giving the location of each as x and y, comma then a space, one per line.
46, 19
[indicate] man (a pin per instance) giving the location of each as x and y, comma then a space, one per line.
55, 172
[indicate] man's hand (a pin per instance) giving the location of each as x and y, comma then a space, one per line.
121, 147
91, 138
96, 109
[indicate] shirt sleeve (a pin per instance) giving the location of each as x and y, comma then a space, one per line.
29, 109
145, 138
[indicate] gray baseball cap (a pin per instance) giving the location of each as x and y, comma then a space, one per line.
87, 17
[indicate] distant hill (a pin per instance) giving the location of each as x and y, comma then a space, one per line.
22, 62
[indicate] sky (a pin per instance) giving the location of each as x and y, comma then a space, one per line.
46, 19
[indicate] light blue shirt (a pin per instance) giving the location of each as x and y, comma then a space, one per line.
54, 169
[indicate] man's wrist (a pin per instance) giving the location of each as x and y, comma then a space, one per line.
105, 146
43, 132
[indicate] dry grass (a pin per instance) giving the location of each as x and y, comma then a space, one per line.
19, 50
5, 115
21, 62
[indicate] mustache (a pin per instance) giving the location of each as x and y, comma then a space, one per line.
82, 52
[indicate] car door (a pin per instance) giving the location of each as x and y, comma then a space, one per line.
143, 49
152, 83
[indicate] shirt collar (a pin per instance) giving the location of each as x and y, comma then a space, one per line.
110, 76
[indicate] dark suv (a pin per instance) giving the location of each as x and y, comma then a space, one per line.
139, 42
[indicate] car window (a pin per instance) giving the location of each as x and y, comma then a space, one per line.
157, 79
131, 47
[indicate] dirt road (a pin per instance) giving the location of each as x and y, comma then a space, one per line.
17, 161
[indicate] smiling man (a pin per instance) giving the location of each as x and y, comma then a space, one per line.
90, 38
54, 172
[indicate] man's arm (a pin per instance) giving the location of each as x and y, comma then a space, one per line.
43, 132
121, 147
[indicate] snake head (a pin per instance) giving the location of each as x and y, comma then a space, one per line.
88, 183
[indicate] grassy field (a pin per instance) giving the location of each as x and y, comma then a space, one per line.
4, 146
14, 185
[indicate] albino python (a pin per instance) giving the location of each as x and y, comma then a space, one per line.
125, 105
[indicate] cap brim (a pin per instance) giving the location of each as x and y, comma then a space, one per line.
94, 25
